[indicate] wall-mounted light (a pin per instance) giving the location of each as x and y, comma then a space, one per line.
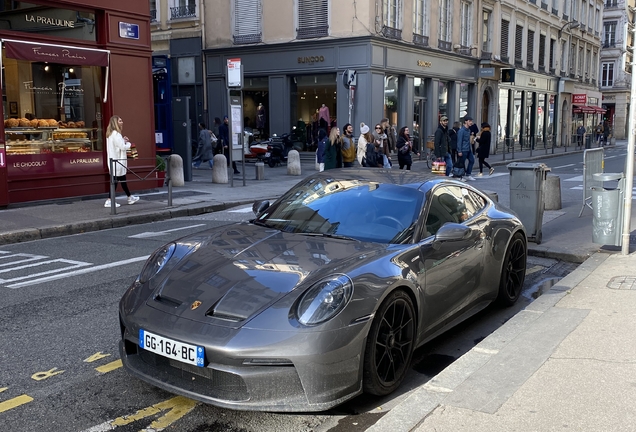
46, 68
71, 70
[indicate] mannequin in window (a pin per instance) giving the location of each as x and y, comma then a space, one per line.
260, 119
323, 116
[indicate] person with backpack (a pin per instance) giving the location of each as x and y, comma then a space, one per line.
404, 147
348, 146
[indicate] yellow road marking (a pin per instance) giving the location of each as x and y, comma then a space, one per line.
3, 389
97, 356
109, 366
14, 403
39, 376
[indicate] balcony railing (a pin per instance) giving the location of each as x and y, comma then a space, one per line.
485, 55
530, 65
564, 74
505, 59
179, 12
518, 62
593, 81
312, 32
247, 39
555, 11
544, 6
419, 39
153, 15
552, 71
534, 2
609, 44
444, 45
392, 33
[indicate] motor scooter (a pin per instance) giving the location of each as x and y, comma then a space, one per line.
277, 149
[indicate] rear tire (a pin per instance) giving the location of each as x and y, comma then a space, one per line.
271, 163
513, 272
390, 344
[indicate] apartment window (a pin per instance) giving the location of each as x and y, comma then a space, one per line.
445, 9
594, 63
530, 51
542, 51
391, 13
518, 43
566, 9
583, 12
581, 62
313, 19
572, 64
466, 28
503, 43
153, 11
597, 20
552, 43
183, 9
555, 6
486, 32
420, 17
247, 21
607, 74
588, 63
609, 38
575, 10
610, 3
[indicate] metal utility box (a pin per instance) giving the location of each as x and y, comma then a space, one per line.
607, 214
526, 195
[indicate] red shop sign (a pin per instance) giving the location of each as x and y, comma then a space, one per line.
579, 99
61, 54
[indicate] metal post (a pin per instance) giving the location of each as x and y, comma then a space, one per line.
113, 203
169, 183
629, 164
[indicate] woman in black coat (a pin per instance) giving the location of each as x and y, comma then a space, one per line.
404, 148
483, 151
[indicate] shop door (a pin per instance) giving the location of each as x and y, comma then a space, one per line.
418, 126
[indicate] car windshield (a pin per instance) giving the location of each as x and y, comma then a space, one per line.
366, 211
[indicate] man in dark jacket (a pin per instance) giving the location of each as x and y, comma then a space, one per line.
464, 148
224, 132
442, 144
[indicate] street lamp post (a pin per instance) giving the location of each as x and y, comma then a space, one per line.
629, 164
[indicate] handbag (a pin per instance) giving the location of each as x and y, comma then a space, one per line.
458, 171
131, 153
405, 148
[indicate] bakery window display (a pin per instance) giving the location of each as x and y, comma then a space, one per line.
46, 136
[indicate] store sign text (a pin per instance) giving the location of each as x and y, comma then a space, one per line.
65, 54
532, 82
28, 85
426, 64
311, 59
85, 161
29, 164
50, 21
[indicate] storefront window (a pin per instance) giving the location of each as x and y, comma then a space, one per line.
502, 117
313, 107
256, 106
52, 117
391, 99
443, 99
540, 117
419, 87
463, 99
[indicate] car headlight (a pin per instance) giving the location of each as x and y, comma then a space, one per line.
156, 262
324, 300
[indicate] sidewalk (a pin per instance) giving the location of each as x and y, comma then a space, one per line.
567, 362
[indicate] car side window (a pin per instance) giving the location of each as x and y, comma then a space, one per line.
447, 205
473, 201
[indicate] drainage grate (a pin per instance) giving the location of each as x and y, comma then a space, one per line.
622, 283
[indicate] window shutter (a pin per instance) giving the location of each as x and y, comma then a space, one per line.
541, 51
530, 51
247, 21
552, 42
518, 43
313, 19
503, 47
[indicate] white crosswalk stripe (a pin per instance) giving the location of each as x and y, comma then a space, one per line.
16, 267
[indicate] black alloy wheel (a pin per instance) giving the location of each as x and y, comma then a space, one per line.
389, 345
513, 273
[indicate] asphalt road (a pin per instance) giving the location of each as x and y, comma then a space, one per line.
60, 368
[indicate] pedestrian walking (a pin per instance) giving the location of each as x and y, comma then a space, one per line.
348, 146
224, 132
320, 152
332, 155
381, 139
452, 133
483, 149
580, 135
442, 148
362, 143
404, 148
116, 146
204, 150
464, 148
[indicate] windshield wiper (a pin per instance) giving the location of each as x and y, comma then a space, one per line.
336, 236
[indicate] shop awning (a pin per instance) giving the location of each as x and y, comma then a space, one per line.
578, 109
62, 54
52, 53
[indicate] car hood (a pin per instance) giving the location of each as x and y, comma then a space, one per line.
238, 271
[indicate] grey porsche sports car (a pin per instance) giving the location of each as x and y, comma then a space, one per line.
324, 294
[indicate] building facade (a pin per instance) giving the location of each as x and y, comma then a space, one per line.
522, 66
67, 67
617, 54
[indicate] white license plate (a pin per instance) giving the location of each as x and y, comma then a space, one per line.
268, 154
186, 353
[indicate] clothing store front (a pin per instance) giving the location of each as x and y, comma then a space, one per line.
302, 89
58, 70
526, 117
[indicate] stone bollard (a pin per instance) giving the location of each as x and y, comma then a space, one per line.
219, 169
293, 163
260, 170
176, 170
552, 192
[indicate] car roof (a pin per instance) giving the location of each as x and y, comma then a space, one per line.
418, 180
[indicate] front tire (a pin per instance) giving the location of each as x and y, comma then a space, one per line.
513, 272
271, 163
429, 157
390, 344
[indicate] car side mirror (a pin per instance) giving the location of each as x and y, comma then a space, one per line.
452, 232
260, 206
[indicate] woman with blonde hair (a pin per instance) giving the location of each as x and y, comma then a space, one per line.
333, 148
116, 146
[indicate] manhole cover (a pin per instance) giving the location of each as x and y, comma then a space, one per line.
622, 283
